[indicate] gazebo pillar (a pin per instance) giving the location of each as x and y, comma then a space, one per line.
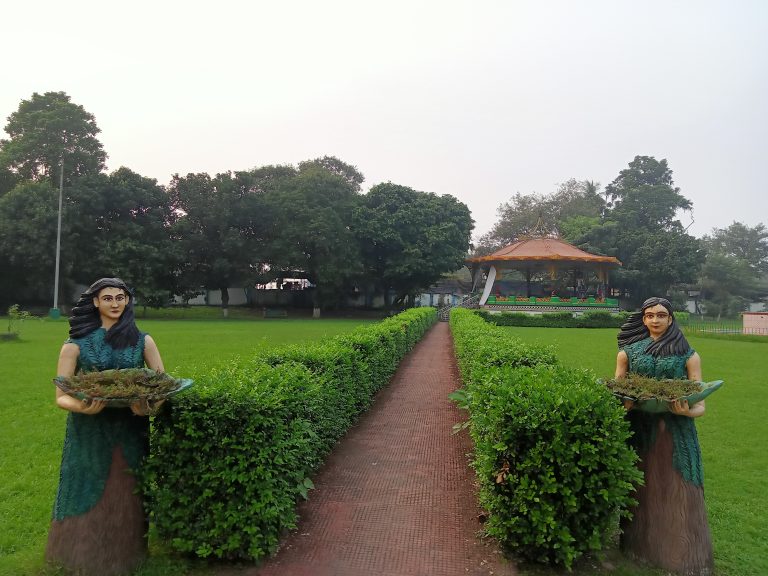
527, 282
488, 285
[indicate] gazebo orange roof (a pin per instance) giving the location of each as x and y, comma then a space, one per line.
543, 249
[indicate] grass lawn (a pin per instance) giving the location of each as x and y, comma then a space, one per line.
32, 430
32, 427
732, 435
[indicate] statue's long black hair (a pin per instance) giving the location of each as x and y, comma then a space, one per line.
85, 316
671, 343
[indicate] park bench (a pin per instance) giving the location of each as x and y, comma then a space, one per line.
275, 313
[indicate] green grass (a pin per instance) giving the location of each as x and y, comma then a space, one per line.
732, 435
32, 427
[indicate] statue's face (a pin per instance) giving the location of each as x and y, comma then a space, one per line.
110, 302
657, 320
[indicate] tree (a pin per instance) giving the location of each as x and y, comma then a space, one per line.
338, 167
112, 225
550, 213
8, 180
740, 241
28, 243
736, 262
642, 171
45, 129
311, 230
221, 221
119, 225
409, 239
640, 227
727, 285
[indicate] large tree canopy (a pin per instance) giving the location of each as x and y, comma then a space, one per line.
46, 129
734, 273
551, 213
311, 229
118, 225
636, 220
217, 230
641, 228
410, 239
28, 243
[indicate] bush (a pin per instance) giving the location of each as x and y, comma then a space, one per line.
231, 456
551, 456
592, 319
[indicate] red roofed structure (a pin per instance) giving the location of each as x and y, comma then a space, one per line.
578, 278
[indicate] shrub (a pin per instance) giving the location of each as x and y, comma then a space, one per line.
551, 457
16, 317
231, 456
591, 319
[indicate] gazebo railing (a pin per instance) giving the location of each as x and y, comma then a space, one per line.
471, 301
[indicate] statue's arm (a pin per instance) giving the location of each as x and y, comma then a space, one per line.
155, 362
66, 367
681, 408
622, 364
622, 368
152, 355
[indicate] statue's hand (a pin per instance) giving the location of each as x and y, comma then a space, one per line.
91, 407
681, 408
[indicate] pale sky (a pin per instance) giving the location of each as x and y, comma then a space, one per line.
477, 99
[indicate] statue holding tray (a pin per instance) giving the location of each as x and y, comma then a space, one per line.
99, 524
669, 526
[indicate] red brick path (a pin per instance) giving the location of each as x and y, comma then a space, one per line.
396, 496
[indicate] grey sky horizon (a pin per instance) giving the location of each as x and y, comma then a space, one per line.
479, 100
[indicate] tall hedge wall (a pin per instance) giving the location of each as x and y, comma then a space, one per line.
554, 469
231, 456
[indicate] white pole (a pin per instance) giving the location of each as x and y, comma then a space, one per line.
58, 243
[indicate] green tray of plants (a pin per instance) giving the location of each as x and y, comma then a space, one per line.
120, 388
654, 395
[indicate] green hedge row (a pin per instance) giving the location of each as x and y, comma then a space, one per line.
231, 456
594, 319
551, 457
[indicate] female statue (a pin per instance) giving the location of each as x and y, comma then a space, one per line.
669, 525
99, 525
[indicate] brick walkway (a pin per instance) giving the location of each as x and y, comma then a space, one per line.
396, 496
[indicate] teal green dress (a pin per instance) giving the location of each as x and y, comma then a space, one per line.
91, 439
686, 452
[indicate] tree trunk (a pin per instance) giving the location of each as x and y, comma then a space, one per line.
225, 302
669, 525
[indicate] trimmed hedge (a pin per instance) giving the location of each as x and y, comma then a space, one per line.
231, 456
551, 457
592, 319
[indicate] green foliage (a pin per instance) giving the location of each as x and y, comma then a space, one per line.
596, 319
409, 239
641, 229
733, 273
218, 235
46, 128
574, 206
311, 228
16, 317
28, 243
551, 457
231, 456
117, 225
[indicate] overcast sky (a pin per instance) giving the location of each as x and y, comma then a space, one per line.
475, 99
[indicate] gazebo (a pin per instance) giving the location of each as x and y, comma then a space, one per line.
571, 279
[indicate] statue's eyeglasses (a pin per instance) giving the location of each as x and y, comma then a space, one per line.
109, 298
660, 316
